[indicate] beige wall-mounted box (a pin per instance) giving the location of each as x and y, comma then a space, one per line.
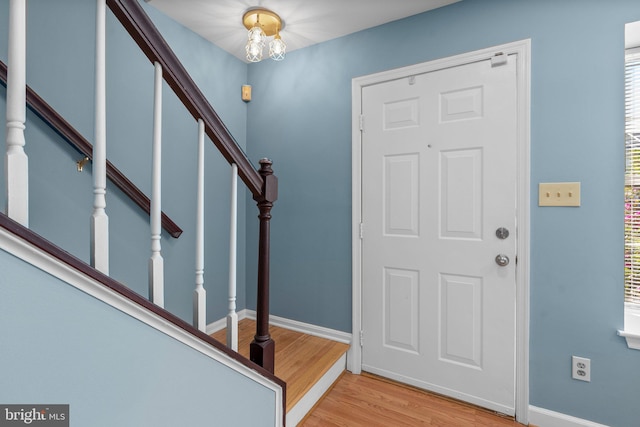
246, 93
559, 194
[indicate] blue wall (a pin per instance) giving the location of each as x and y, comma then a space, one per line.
60, 56
61, 346
301, 117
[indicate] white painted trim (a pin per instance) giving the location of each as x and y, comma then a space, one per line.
294, 325
45, 262
631, 330
318, 331
216, 326
523, 51
633, 340
304, 405
545, 418
523, 75
220, 324
354, 361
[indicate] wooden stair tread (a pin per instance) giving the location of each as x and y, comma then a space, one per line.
301, 360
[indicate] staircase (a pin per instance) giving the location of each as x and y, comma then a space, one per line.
308, 364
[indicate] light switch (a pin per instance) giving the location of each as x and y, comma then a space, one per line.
559, 194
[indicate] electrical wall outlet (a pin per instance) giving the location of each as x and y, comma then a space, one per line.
581, 368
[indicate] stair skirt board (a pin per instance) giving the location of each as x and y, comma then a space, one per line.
294, 325
304, 405
38, 258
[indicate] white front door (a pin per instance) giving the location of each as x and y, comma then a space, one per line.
438, 181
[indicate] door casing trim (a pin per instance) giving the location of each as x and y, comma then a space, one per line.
522, 50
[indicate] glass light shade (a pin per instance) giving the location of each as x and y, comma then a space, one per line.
254, 51
277, 48
257, 35
255, 43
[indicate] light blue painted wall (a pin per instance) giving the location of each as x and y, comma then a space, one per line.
60, 45
61, 346
301, 117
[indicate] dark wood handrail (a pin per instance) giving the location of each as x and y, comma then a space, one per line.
63, 128
75, 263
142, 30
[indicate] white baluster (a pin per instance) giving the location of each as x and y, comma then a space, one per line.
16, 161
99, 218
200, 294
156, 263
232, 317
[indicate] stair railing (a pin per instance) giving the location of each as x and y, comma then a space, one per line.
262, 183
67, 132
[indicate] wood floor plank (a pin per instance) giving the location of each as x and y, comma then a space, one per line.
367, 400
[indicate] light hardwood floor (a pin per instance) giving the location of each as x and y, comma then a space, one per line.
367, 400
357, 400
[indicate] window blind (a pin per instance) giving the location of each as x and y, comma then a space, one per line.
632, 179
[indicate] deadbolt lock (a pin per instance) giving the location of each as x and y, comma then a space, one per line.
502, 233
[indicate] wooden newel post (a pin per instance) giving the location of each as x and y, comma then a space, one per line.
262, 349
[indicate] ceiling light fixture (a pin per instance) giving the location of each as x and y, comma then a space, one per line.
263, 23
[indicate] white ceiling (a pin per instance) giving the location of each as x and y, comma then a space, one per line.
306, 22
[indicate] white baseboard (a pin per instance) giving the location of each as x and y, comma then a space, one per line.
541, 417
220, 324
306, 328
294, 325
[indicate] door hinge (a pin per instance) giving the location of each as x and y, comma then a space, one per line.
499, 58
361, 231
362, 122
361, 338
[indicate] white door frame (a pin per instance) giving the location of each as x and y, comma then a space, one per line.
523, 75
